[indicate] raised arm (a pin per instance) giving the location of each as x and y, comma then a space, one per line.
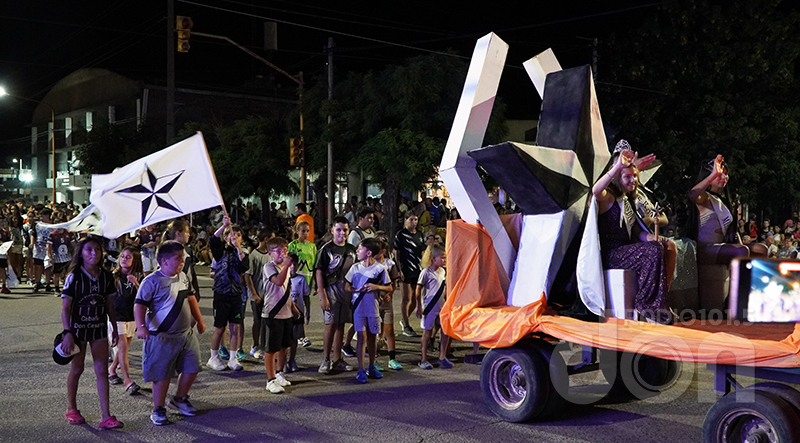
698, 193
600, 188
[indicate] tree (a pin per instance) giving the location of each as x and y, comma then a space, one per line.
393, 123
700, 78
108, 146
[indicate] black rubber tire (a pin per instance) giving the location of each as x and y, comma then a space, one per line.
557, 380
636, 375
768, 418
786, 392
515, 383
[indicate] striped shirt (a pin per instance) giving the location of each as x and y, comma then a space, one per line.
88, 295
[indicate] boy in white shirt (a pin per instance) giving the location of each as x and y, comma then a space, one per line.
365, 280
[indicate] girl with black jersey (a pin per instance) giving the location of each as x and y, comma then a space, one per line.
127, 275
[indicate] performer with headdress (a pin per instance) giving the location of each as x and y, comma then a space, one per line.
624, 243
711, 223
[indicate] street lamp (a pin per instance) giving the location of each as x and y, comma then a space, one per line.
3, 92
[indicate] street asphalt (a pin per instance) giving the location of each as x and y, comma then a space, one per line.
411, 405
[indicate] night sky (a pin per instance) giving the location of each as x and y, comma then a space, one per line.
43, 41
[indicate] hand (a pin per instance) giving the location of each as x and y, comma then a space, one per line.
66, 344
114, 338
718, 168
645, 161
324, 302
226, 221
256, 298
419, 312
627, 158
201, 327
142, 332
134, 281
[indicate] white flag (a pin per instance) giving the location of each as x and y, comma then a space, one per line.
88, 221
172, 182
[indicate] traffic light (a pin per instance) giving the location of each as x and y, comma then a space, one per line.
184, 27
296, 154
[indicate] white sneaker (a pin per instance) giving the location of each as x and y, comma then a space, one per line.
233, 363
274, 387
215, 363
282, 380
259, 354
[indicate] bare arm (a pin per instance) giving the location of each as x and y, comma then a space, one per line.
194, 306
323, 294
600, 188
251, 287
139, 311
698, 193
112, 318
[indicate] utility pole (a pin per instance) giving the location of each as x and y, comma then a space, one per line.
595, 57
331, 188
170, 71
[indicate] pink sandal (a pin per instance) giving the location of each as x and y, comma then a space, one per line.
110, 423
75, 417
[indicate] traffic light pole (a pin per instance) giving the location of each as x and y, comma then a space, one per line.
295, 78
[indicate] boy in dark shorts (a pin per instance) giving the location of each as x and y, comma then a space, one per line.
333, 262
165, 311
279, 310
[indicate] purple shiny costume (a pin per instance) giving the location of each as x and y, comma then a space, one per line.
646, 258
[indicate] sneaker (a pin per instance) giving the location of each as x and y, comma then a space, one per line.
282, 380
274, 387
224, 353
48, 289
159, 416
259, 354
290, 366
304, 342
240, 355
409, 332
253, 351
325, 366
378, 367
182, 404
381, 343
215, 363
341, 366
5, 290
38, 287
373, 372
348, 351
424, 364
445, 363
233, 363
361, 377
395, 365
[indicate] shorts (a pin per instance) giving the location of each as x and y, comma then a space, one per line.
257, 308
227, 310
386, 312
370, 324
38, 262
276, 334
427, 322
299, 327
410, 277
341, 308
149, 264
3, 263
124, 329
165, 355
58, 267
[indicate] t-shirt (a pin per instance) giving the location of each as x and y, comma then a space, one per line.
391, 268
165, 298
40, 244
310, 220
60, 241
409, 250
256, 269
274, 293
334, 261
307, 255
88, 294
125, 296
358, 233
432, 282
146, 237
299, 289
358, 276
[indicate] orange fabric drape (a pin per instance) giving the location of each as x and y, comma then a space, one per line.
476, 311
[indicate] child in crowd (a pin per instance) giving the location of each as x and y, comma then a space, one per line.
227, 293
300, 293
59, 249
127, 276
385, 309
85, 312
365, 280
430, 297
148, 239
39, 245
277, 314
333, 261
253, 278
306, 252
165, 311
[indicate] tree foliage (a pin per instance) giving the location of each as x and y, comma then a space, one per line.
699, 78
109, 146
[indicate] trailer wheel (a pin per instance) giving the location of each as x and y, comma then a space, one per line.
636, 375
786, 392
768, 418
515, 383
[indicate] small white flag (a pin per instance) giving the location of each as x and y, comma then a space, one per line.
87, 221
172, 182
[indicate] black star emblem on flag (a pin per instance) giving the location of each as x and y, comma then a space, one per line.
156, 192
